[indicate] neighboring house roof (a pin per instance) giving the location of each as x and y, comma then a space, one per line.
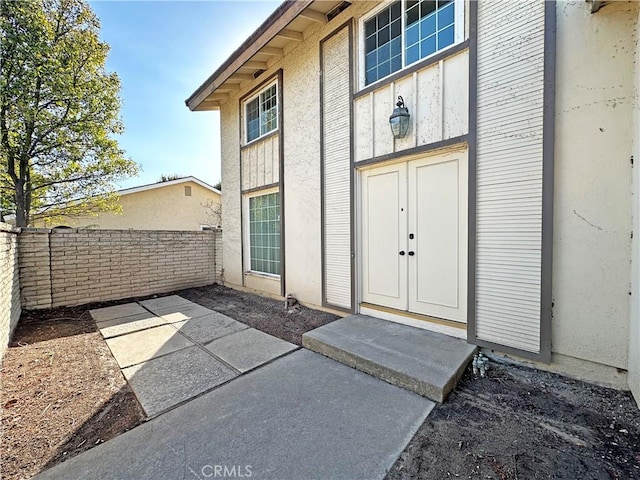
283, 27
126, 191
151, 186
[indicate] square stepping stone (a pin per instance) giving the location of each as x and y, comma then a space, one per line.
249, 349
138, 347
164, 382
133, 323
205, 329
117, 311
178, 313
165, 302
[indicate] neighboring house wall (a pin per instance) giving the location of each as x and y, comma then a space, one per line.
73, 267
594, 134
162, 208
10, 307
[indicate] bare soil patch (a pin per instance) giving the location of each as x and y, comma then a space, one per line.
521, 423
62, 392
262, 313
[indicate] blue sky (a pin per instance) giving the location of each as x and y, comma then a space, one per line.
162, 51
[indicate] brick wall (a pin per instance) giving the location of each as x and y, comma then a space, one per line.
63, 267
9, 284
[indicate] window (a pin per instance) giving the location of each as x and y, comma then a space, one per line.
407, 31
261, 113
264, 233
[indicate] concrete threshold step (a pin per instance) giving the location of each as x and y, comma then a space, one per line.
427, 363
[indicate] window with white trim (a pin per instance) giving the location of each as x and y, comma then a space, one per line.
264, 233
261, 113
406, 31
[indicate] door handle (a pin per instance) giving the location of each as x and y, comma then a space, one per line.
401, 252
411, 254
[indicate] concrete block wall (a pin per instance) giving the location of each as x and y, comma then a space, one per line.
10, 307
65, 267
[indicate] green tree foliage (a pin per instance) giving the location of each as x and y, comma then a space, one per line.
168, 178
59, 112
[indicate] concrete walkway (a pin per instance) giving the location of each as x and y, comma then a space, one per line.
427, 363
303, 416
171, 349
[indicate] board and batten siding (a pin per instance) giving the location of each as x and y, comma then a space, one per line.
336, 171
437, 97
509, 173
261, 163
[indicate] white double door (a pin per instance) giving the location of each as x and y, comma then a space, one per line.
414, 236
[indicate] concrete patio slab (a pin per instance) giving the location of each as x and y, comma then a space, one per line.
130, 324
205, 329
302, 416
138, 347
178, 313
117, 311
249, 349
165, 302
164, 382
424, 362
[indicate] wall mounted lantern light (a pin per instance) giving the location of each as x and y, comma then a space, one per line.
399, 119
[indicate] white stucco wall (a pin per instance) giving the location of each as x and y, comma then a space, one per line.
592, 208
302, 209
231, 227
634, 322
594, 138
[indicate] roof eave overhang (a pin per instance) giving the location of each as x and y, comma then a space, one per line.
272, 26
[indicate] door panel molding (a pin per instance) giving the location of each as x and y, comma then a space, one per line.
427, 197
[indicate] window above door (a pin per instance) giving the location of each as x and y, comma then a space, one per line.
403, 32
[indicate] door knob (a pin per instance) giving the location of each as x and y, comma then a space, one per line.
411, 254
401, 252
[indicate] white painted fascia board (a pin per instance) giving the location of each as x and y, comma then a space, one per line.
127, 191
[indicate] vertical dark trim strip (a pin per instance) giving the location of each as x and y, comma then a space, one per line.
548, 147
240, 141
472, 158
352, 171
544, 354
347, 25
280, 183
283, 282
323, 261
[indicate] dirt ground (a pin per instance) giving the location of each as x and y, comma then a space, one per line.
62, 393
61, 390
258, 312
521, 423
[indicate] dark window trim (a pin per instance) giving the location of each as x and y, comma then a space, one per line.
427, 148
263, 138
256, 93
262, 187
414, 67
278, 75
248, 198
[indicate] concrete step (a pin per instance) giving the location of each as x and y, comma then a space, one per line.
427, 363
